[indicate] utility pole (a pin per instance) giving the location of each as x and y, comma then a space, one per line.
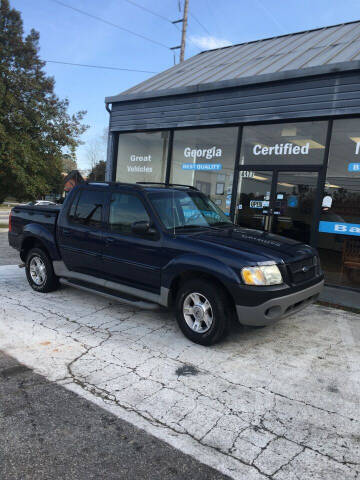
184, 27
184, 22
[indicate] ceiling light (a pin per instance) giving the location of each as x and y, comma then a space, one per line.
312, 143
257, 177
284, 184
288, 132
329, 185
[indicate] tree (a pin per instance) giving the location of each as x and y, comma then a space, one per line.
97, 173
68, 163
35, 128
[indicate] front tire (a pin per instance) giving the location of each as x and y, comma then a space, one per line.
202, 311
39, 271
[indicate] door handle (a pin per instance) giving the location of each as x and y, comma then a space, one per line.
66, 232
109, 240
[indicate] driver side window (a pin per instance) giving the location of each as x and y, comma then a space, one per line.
125, 209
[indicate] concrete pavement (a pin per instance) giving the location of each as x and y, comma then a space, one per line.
8, 255
48, 433
275, 403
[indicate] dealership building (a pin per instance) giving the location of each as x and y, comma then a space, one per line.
269, 129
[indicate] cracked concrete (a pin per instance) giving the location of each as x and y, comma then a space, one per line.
275, 403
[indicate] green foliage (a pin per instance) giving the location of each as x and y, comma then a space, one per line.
68, 163
35, 127
97, 173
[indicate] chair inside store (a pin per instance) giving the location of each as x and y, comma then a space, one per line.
351, 260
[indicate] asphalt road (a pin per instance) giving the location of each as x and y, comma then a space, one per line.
48, 432
8, 255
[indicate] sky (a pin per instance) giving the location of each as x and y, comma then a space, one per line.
67, 35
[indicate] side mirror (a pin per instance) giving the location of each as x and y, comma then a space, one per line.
142, 228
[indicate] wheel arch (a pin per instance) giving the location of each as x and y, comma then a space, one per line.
30, 243
191, 274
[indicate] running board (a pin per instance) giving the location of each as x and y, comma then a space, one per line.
109, 287
111, 295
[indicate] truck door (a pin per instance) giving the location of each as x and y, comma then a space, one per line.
80, 234
129, 258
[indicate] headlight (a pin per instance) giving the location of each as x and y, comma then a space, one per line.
263, 275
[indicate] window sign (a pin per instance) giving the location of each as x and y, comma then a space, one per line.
282, 149
284, 144
259, 203
340, 228
327, 202
354, 167
339, 242
201, 166
142, 157
205, 158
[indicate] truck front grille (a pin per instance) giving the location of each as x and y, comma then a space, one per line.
304, 270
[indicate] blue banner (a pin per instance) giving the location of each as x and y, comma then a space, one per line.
201, 166
354, 167
340, 228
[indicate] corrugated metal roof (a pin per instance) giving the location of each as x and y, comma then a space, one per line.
287, 53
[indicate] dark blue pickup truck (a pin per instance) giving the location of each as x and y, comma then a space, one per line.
165, 244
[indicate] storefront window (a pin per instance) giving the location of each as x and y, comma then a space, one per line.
339, 237
142, 157
284, 144
205, 158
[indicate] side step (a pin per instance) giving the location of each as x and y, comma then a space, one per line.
110, 294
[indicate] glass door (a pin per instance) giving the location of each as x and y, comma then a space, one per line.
254, 197
295, 199
278, 201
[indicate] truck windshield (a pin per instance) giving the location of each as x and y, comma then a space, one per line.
187, 210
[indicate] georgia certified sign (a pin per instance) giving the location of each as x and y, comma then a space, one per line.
207, 153
340, 228
281, 149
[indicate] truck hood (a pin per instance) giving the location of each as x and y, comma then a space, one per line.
256, 243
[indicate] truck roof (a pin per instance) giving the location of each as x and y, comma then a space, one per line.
145, 185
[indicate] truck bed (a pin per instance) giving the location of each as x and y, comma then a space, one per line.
22, 215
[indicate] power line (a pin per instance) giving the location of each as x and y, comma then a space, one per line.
98, 66
95, 17
201, 25
152, 12
148, 10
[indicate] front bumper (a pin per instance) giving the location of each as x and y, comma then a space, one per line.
280, 307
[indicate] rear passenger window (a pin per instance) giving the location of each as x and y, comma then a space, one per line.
125, 209
88, 209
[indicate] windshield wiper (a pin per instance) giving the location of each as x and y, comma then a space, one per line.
220, 224
191, 226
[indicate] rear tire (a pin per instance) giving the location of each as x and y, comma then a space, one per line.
39, 271
202, 311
